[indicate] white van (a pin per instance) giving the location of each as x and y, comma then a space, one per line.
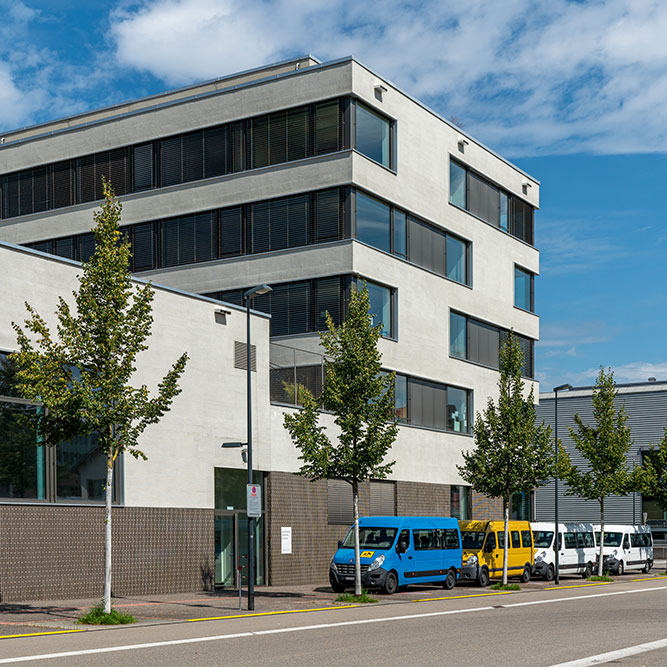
576, 553
626, 547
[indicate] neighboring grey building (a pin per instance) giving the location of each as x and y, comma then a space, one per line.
307, 176
646, 406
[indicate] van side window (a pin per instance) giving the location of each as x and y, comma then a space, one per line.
501, 540
426, 539
589, 541
635, 540
581, 540
516, 543
404, 537
570, 540
451, 539
526, 539
626, 542
490, 541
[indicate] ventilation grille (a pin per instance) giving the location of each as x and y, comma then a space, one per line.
241, 356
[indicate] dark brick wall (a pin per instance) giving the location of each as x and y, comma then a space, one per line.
50, 552
486, 509
419, 499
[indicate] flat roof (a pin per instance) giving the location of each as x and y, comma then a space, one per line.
251, 77
623, 388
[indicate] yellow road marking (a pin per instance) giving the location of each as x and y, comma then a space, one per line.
649, 578
594, 583
271, 613
458, 597
37, 634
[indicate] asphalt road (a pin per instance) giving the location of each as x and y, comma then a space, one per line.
536, 628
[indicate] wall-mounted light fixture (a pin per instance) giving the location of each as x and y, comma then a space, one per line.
462, 143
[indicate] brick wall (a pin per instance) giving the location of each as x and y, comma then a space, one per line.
49, 552
419, 499
486, 509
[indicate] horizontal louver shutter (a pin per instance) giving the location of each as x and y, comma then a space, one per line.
186, 240
10, 193
280, 299
142, 156
238, 146
86, 178
25, 192
327, 127
65, 247
62, 184
40, 189
327, 215
241, 356
87, 247
426, 246
206, 237
143, 247
328, 298
298, 122
231, 231
260, 227
260, 141
193, 157
483, 199
298, 215
118, 171
298, 308
340, 504
102, 170
426, 403
278, 137
278, 224
483, 343
215, 151
383, 499
171, 160
169, 242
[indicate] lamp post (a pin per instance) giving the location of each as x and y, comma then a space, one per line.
248, 297
556, 545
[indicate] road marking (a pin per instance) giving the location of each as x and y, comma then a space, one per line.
458, 597
649, 579
595, 583
176, 642
270, 613
615, 655
37, 634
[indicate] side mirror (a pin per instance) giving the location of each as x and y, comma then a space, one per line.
340, 543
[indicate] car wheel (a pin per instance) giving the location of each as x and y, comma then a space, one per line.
450, 580
588, 571
620, 571
390, 585
337, 588
525, 575
549, 574
483, 578
647, 567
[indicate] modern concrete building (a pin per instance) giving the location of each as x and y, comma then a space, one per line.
646, 406
307, 176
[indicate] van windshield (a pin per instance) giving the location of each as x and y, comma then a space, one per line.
543, 538
610, 539
472, 539
370, 538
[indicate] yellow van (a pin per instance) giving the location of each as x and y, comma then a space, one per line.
483, 552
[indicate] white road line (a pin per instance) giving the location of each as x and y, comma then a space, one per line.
614, 655
319, 626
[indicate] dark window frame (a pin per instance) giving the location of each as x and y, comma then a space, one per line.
531, 298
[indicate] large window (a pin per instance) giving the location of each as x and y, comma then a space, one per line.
282, 136
373, 222
460, 502
381, 308
373, 135
480, 342
524, 286
474, 193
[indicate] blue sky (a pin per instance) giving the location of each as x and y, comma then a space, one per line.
574, 92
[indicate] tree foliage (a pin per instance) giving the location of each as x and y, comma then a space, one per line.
361, 399
654, 482
513, 453
604, 444
82, 374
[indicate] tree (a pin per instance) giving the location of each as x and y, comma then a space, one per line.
512, 452
604, 444
654, 482
81, 375
361, 399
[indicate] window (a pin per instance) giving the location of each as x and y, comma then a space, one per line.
457, 335
570, 540
451, 539
373, 135
460, 502
400, 226
483, 343
381, 308
457, 260
438, 406
327, 127
80, 470
524, 296
526, 539
401, 398
474, 193
457, 410
373, 222
516, 542
426, 246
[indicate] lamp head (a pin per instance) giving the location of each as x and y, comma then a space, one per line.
257, 291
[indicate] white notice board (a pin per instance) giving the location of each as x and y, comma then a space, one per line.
286, 540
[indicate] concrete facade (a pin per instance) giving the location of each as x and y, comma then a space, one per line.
211, 409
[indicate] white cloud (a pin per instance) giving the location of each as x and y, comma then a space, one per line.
525, 77
570, 334
637, 371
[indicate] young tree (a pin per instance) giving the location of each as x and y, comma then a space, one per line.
362, 401
654, 482
604, 445
512, 452
82, 374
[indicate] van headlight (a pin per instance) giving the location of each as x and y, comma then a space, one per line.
376, 563
472, 560
332, 565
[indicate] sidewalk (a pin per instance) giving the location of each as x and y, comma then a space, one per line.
21, 618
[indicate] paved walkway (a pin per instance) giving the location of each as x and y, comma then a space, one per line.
22, 618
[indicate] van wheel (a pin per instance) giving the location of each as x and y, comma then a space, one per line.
483, 578
390, 584
337, 588
525, 575
549, 574
450, 580
647, 567
588, 571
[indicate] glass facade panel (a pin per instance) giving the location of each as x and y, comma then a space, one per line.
401, 398
400, 234
373, 222
504, 211
457, 336
523, 289
380, 308
457, 410
373, 135
80, 469
460, 501
457, 260
457, 185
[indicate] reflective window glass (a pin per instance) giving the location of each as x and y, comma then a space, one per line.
80, 469
457, 184
380, 307
373, 135
456, 260
523, 289
457, 335
401, 398
457, 410
373, 222
400, 233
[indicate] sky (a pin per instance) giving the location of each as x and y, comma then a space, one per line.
572, 91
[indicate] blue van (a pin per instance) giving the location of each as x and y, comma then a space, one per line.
399, 550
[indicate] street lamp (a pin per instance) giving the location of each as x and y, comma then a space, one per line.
248, 297
556, 545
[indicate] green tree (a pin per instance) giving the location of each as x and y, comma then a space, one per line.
604, 444
513, 453
82, 374
361, 399
654, 477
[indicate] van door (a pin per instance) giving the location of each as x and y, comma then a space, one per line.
427, 563
569, 554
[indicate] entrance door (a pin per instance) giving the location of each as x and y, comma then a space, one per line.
231, 547
225, 541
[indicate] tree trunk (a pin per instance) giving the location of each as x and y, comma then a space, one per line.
357, 560
506, 513
600, 558
107, 534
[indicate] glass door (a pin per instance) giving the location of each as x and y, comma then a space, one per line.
224, 550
